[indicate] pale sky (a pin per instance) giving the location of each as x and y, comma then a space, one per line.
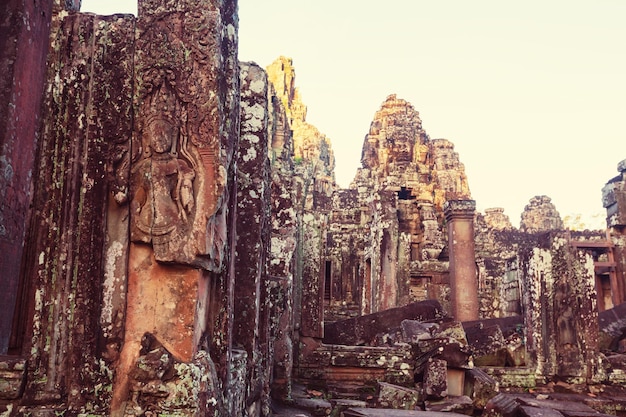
532, 93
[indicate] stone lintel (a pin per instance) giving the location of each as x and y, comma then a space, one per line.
459, 209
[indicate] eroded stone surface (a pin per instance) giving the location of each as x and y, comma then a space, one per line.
188, 251
393, 396
614, 198
435, 379
25, 31
540, 215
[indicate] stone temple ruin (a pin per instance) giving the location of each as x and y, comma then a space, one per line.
174, 244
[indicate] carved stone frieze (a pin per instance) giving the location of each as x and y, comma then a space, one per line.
179, 169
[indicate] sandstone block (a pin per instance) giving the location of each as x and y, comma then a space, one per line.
436, 379
394, 396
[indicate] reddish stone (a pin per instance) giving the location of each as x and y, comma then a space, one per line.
436, 379
463, 277
394, 396
65, 262
161, 301
24, 40
362, 330
480, 387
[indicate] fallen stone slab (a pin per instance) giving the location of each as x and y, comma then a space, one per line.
342, 404
503, 405
453, 329
413, 331
488, 346
562, 406
512, 334
457, 404
612, 325
436, 379
363, 330
281, 410
508, 325
397, 397
567, 413
444, 348
12, 377
527, 411
480, 386
609, 403
514, 405
385, 412
316, 406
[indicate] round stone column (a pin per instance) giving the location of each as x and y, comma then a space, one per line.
463, 278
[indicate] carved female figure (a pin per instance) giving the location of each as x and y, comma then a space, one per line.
162, 182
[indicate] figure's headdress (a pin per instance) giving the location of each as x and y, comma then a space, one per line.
162, 104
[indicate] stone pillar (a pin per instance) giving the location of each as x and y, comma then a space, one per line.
181, 197
277, 307
463, 278
312, 308
614, 201
86, 127
252, 219
387, 239
24, 32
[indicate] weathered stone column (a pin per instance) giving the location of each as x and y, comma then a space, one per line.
181, 199
463, 281
86, 128
24, 39
277, 336
614, 201
312, 308
252, 221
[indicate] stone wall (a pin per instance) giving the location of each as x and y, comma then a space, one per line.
560, 311
83, 134
314, 185
24, 33
129, 268
175, 240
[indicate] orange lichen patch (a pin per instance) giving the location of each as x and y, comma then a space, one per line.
161, 300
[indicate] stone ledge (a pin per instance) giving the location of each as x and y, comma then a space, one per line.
518, 377
12, 377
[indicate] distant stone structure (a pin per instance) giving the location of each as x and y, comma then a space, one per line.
540, 215
496, 219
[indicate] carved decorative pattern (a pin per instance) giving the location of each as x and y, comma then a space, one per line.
178, 170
